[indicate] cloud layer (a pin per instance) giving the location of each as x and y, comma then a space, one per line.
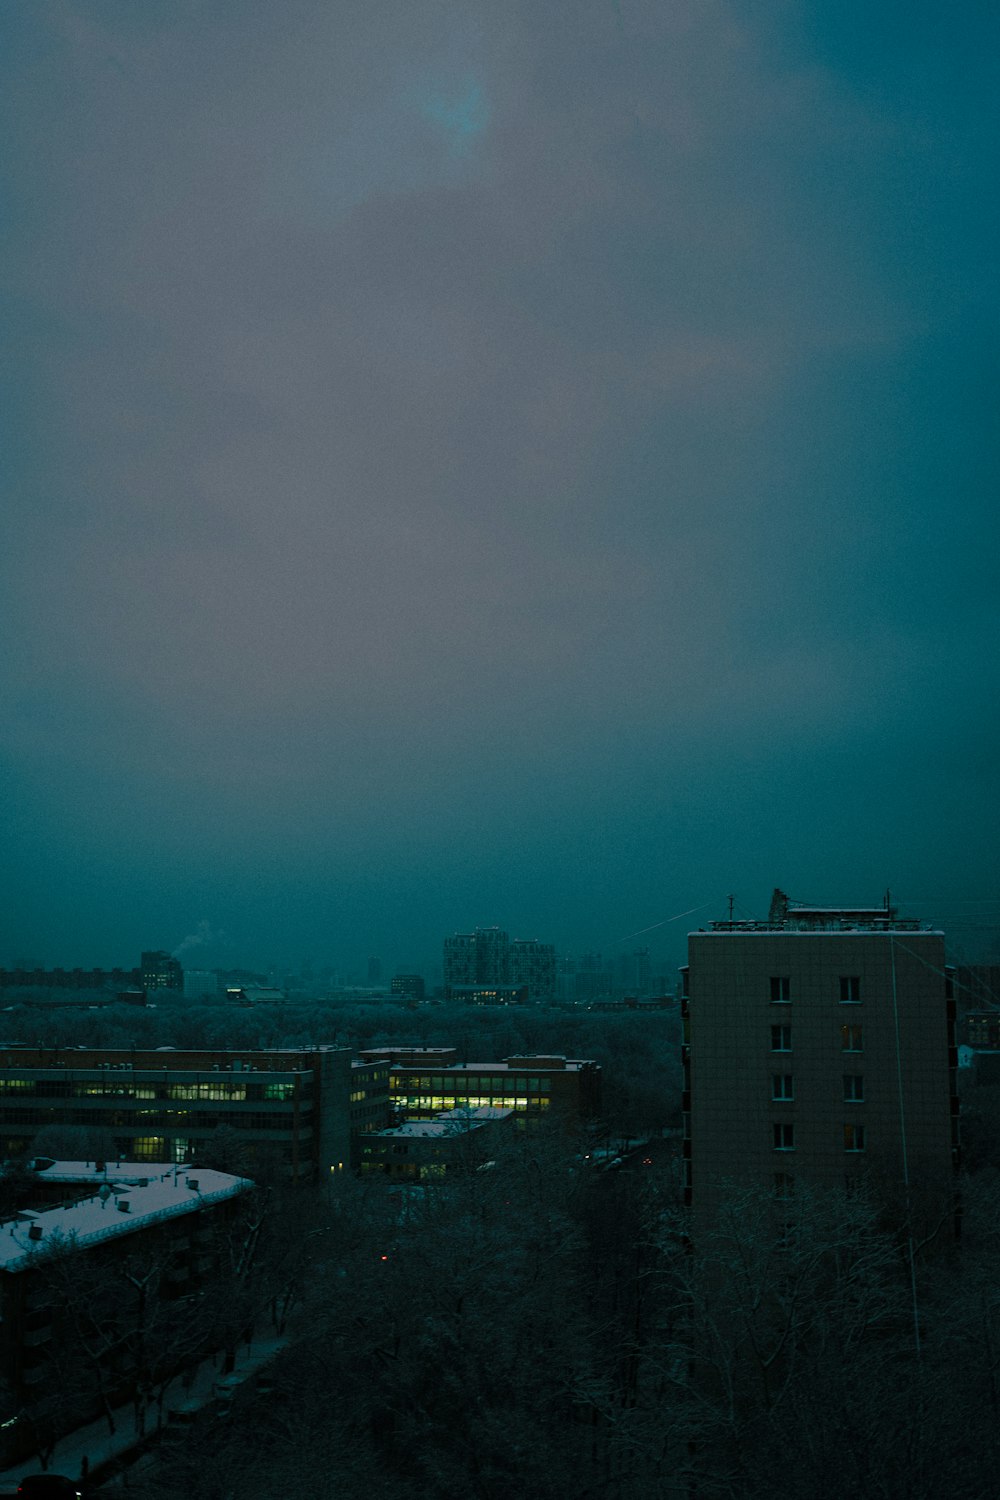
524, 455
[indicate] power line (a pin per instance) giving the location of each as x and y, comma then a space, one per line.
664, 923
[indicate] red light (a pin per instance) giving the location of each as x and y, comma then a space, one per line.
383, 1257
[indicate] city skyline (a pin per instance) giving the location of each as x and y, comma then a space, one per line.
469, 464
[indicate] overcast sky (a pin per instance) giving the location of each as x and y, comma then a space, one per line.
469, 462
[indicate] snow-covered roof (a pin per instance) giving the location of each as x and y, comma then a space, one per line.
450, 1122
837, 929
169, 1193
525, 1065
88, 1171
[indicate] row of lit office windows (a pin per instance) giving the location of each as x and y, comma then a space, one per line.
849, 986
179, 1150
783, 1088
851, 1038
118, 1089
469, 1101
485, 1082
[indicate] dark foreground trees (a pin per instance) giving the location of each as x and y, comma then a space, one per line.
539, 1329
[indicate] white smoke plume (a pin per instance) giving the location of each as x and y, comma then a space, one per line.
204, 936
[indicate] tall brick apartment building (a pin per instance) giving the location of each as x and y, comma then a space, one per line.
820, 1047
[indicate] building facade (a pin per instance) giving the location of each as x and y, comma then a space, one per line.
408, 986
160, 971
292, 1108
424, 1081
168, 1220
456, 1141
819, 1047
487, 963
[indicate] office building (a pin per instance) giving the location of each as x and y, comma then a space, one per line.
157, 970
291, 1107
370, 1104
200, 984
486, 966
408, 986
424, 1081
819, 1047
533, 968
161, 972
456, 1141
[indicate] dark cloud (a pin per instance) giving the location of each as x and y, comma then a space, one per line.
529, 459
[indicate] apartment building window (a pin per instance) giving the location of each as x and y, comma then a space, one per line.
781, 1039
784, 1185
782, 1088
854, 1088
854, 1137
850, 989
783, 1137
851, 1039
781, 990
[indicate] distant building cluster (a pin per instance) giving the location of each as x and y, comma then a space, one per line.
488, 967
299, 1113
408, 987
819, 1045
156, 970
597, 980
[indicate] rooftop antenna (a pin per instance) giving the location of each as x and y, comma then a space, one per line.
730, 899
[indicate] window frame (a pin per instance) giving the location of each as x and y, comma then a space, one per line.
781, 989
782, 1136
850, 989
782, 1088
781, 1037
847, 1037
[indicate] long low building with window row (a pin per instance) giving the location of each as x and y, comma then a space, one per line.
424, 1081
291, 1107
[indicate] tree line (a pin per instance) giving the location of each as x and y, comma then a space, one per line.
544, 1328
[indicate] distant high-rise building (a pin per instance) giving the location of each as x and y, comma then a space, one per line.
533, 966
161, 972
819, 1047
476, 958
487, 960
594, 979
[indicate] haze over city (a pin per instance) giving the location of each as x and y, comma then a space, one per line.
529, 464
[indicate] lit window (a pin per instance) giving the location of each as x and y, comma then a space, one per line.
149, 1148
850, 989
854, 1137
851, 1039
783, 1137
781, 1039
854, 1088
782, 1087
781, 990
